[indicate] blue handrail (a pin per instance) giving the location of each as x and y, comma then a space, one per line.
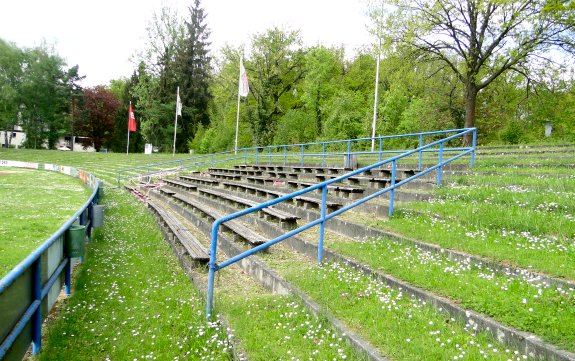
214, 267
33, 312
281, 151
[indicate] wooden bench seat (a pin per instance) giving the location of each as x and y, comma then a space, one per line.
200, 180
193, 247
235, 227
285, 219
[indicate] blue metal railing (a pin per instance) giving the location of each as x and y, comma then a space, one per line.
214, 267
297, 153
35, 263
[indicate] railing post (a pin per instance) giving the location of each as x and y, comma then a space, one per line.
420, 152
380, 148
245, 155
212, 271
37, 316
392, 191
302, 155
269, 155
213, 159
257, 155
439, 170
323, 154
68, 276
348, 163
474, 145
322, 225
285, 155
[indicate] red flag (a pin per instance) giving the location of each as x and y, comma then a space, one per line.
131, 120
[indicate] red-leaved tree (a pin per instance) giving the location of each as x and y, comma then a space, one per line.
99, 113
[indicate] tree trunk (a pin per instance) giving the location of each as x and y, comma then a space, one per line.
470, 101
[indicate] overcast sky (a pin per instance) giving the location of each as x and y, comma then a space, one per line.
101, 36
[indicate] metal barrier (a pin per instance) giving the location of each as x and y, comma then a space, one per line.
429, 148
321, 152
29, 290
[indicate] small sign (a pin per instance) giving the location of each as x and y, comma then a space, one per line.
148, 148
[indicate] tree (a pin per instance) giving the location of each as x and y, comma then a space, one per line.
277, 66
11, 70
43, 97
99, 113
194, 74
481, 39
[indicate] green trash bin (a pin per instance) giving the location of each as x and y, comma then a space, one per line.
74, 241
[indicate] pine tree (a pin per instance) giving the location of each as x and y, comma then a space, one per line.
194, 76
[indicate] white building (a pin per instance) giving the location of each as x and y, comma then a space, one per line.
18, 137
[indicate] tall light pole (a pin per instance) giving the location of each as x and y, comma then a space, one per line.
376, 81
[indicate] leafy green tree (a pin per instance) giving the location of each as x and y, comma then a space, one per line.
277, 65
44, 97
325, 69
479, 40
11, 71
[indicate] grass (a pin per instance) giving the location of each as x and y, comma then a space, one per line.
113, 320
518, 300
132, 300
401, 327
33, 205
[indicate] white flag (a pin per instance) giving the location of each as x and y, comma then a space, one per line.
244, 87
178, 104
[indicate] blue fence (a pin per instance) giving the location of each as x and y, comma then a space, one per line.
437, 147
321, 153
28, 291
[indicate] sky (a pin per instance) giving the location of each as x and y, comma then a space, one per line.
102, 36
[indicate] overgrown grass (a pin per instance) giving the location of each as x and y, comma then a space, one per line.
519, 300
132, 300
401, 327
33, 205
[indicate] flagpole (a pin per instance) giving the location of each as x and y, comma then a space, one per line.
237, 123
128, 146
376, 83
176, 123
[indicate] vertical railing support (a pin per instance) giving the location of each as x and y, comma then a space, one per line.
257, 155
440, 169
37, 316
68, 276
474, 145
322, 225
420, 153
269, 155
245, 155
212, 267
302, 155
380, 149
392, 191
285, 155
323, 154
348, 163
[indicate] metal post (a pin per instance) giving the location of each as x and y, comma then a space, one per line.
285, 155
420, 152
380, 148
68, 276
37, 316
392, 191
439, 170
474, 145
302, 155
349, 153
321, 225
269, 155
323, 154
212, 271
245, 155
257, 156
